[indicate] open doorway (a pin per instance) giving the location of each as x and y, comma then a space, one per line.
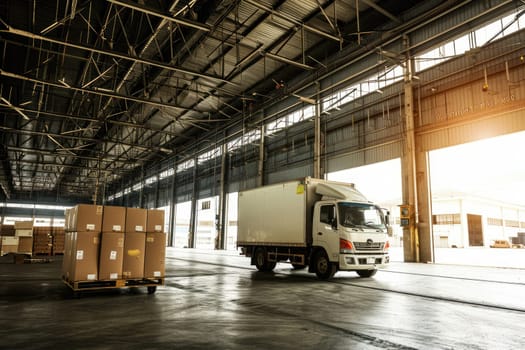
478, 198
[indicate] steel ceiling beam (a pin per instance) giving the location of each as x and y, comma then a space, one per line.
110, 121
292, 20
167, 16
90, 140
144, 61
381, 10
65, 155
97, 91
60, 165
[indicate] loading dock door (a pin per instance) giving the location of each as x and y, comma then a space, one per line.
475, 232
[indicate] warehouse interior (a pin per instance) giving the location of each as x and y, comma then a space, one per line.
180, 105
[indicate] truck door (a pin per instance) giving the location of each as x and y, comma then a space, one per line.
325, 230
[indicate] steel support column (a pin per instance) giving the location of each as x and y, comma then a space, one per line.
173, 207
408, 170
193, 213
424, 212
318, 172
260, 161
223, 193
417, 235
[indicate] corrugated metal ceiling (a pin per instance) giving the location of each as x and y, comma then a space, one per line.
91, 91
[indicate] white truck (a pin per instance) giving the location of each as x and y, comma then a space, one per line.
325, 225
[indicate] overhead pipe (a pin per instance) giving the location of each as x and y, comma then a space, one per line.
286, 60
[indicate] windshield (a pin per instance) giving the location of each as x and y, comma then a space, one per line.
361, 215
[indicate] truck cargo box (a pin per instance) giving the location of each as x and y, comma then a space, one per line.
276, 214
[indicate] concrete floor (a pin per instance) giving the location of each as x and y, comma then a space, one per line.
215, 300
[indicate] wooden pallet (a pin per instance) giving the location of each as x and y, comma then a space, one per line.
150, 283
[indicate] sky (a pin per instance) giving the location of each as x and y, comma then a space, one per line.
492, 168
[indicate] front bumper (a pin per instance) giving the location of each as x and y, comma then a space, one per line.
352, 262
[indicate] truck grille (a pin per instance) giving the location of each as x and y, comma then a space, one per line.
364, 246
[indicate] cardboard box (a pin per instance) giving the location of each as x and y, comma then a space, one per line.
155, 222
25, 245
133, 264
67, 220
111, 255
84, 258
9, 245
113, 219
26, 232
136, 219
68, 253
22, 225
87, 217
155, 255
7, 230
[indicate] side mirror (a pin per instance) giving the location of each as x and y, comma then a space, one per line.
333, 223
387, 217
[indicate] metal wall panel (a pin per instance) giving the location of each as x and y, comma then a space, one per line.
387, 151
507, 123
290, 174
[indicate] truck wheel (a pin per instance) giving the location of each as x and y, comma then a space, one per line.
261, 261
324, 269
259, 258
366, 273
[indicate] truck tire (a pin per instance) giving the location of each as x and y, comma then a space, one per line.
261, 260
366, 273
324, 269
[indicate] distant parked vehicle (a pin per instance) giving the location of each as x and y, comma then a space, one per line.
500, 243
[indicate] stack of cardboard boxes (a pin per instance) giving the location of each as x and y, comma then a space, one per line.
113, 243
59, 238
9, 244
83, 226
42, 241
155, 251
22, 240
24, 232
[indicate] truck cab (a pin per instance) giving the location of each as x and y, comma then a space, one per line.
349, 233
353, 236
